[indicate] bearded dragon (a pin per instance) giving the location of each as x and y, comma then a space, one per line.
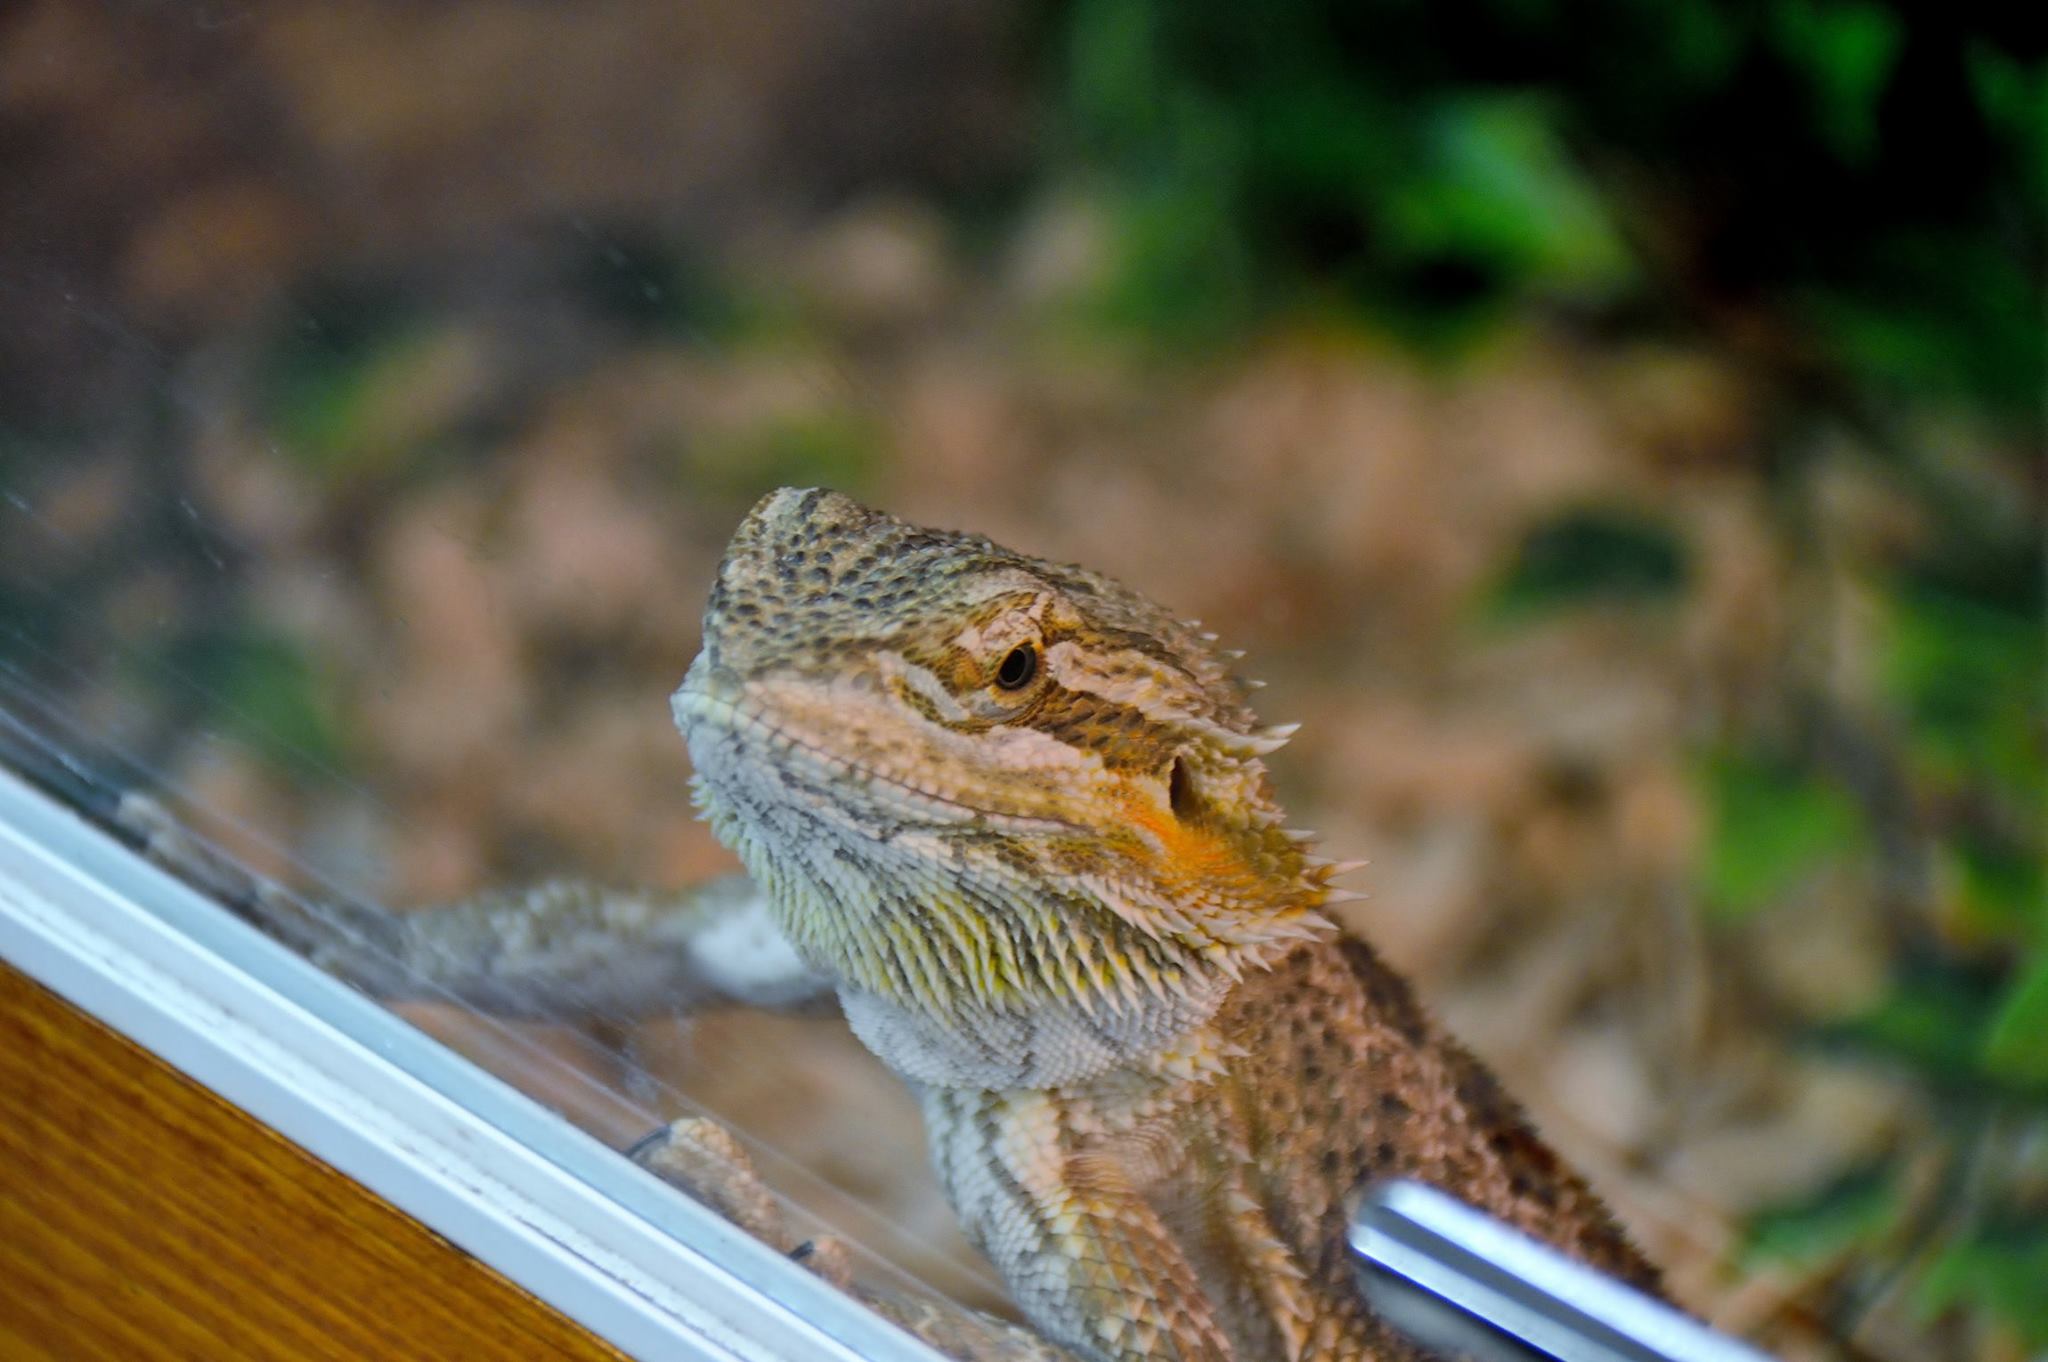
1017, 818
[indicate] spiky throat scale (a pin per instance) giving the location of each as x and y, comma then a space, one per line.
1017, 882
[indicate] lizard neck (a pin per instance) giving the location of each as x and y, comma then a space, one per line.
1049, 1044
964, 974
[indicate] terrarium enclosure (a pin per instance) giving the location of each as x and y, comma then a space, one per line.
1613, 430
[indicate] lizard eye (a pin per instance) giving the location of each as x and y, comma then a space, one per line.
1018, 666
1180, 791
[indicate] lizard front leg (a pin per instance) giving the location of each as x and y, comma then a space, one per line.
1085, 1257
561, 951
568, 950
705, 1160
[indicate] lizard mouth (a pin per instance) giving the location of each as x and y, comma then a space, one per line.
701, 708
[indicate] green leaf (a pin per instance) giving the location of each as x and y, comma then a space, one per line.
1852, 1210
649, 285
1936, 1020
2000, 1269
2002, 884
365, 388
2016, 1042
1181, 272
1933, 313
261, 689
1498, 189
1589, 556
1772, 825
1115, 73
1847, 50
831, 447
1970, 672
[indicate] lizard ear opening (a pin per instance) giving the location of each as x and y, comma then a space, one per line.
1180, 791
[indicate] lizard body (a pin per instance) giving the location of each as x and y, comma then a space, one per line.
1018, 816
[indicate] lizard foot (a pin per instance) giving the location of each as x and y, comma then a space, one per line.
705, 1161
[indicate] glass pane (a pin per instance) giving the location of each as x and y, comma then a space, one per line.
381, 383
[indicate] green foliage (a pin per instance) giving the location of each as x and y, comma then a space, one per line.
1254, 163
1849, 194
1952, 1027
827, 447
327, 380
1500, 190
1870, 175
1981, 1048
2001, 884
652, 288
1845, 50
1184, 270
2015, 1047
1854, 1208
1964, 660
1772, 823
258, 688
1587, 556
1951, 319
647, 287
1968, 662
2000, 1268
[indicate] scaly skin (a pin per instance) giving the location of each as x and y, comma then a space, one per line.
1017, 816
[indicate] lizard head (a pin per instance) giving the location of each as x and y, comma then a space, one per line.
968, 778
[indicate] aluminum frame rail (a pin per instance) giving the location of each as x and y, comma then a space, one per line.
1460, 1280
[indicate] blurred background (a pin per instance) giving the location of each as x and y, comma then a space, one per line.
1614, 429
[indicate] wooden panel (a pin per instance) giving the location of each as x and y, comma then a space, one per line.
143, 1217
